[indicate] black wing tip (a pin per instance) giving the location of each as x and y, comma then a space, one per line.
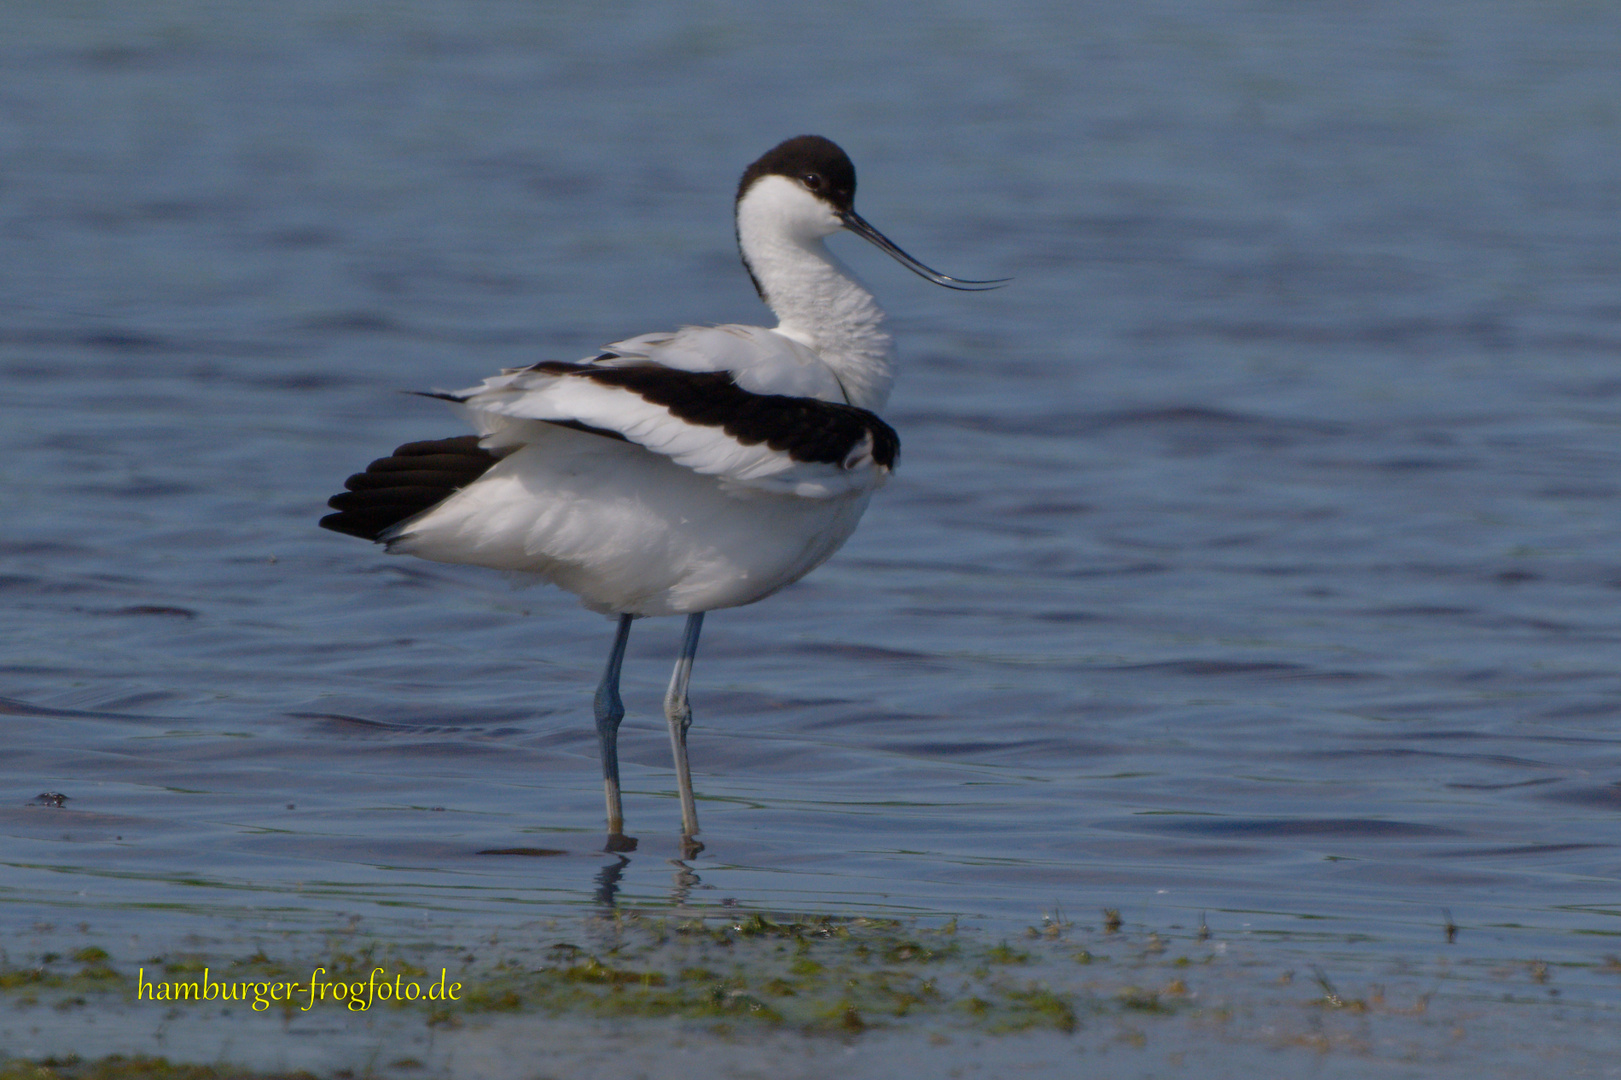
416, 477
886, 443
351, 523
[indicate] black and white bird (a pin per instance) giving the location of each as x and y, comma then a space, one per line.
673, 473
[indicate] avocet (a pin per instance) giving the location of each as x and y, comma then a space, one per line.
680, 472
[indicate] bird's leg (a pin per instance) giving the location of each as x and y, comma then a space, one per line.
678, 711
609, 711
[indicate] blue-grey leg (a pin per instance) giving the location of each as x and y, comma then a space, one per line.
678, 711
609, 711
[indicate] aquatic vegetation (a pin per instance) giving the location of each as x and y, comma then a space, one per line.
731, 975
844, 976
118, 1067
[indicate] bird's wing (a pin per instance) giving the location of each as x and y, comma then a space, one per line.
759, 360
702, 420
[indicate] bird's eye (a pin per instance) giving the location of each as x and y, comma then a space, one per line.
812, 181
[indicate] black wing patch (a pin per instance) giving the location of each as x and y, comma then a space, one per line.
415, 477
806, 429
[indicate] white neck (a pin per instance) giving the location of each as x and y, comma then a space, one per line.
816, 298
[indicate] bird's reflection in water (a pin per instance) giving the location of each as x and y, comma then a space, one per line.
608, 881
684, 881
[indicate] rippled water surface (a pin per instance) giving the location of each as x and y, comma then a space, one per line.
1254, 554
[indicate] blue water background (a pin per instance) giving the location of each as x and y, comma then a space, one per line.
1253, 555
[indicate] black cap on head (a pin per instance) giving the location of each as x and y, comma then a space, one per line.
811, 160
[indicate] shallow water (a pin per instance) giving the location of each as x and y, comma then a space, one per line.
1253, 554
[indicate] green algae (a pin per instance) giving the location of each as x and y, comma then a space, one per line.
813, 974
726, 975
118, 1067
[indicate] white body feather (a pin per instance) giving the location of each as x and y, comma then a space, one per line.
628, 530
680, 517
